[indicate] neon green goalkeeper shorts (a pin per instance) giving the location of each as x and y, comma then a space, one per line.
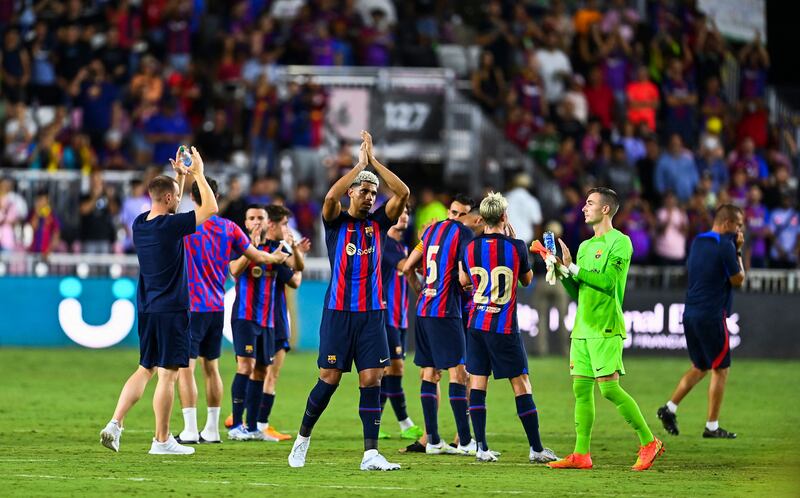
596, 357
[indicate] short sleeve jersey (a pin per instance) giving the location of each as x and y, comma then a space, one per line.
160, 249
215, 243
494, 263
395, 284
355, 250
604, 263
442, 246
255, 291
711, 263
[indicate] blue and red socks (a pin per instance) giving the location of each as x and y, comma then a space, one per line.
238, 393
252, 401
429, 410
477, 412
318, 400
458, 402
392, 388
369, 409
526, 410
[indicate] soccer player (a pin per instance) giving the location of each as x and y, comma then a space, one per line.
439, 330
209, 250
353, 324
162, 302
253, 327
276, 233
714, 267
597, 282
395, 287
493, 264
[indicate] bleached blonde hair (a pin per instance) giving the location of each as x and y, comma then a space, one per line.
492, 208
366, 176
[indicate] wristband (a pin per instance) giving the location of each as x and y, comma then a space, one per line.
574, 269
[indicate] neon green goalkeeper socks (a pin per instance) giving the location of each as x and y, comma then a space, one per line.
627, 407
584, 412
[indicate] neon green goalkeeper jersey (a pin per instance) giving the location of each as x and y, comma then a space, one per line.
599, 286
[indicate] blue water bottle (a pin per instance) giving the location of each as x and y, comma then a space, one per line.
185, 156
550, 242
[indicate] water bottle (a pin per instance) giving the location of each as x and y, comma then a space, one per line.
185, 156
550, 242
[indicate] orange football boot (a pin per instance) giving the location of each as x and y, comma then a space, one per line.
648, 454
229, 421
573, 461
271, 432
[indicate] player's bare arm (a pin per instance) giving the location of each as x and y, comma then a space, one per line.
296, 280
409, 270
297, 261
738, 279
209, 201
332, 205
397, 203
181, 172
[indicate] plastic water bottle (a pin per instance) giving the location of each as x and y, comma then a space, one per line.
550, 242
185, 156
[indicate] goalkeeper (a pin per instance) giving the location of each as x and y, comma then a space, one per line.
597, 283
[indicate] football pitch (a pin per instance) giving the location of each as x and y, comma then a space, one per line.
54, 402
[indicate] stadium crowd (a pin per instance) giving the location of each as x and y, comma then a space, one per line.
596, 93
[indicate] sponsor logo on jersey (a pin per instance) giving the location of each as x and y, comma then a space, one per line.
351, 250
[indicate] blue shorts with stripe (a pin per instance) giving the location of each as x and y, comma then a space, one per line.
164, 339
346, 337
707, 341
397, 342
501, 354
206, 330
440, 342
250, 340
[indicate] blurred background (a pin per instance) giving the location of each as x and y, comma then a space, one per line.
678, 105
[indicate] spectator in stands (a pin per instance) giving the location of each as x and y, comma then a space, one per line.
495, 36
746, 158
45, 226
97, 98
633, 142
20, 132
738, 188
306, 211
754, 62
135, 204
713, 104
166, 131
672, 228
680, 98
72, 54
643, 99
529, 91
216, 139
488, 84
567, 163
784, 232
524, 210
97, 209
9, 216
711, 164
599, 97
233, 205
756, 233
646, 168
676, 171
115, 57
44, 89
377, 40
15, 70
619, 174
147, 86
780, 184
637, 221
554, 66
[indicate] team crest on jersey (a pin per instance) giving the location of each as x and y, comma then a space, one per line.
248, 348
350, 249
572, 365
369, 231
598, 254
256, 272
331, 359
398, 350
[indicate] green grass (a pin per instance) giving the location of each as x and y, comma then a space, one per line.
53, 403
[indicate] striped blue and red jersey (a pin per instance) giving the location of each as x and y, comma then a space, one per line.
255, 291
355, 250
281, 311
209, 250
395, 284
494, 263
442, 245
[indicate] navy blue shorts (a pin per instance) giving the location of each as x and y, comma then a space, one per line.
206, 330
281, 344
250, 340
501, 354
281, 338
164, 339
707, 341
348, 336
440, 342
397, 342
